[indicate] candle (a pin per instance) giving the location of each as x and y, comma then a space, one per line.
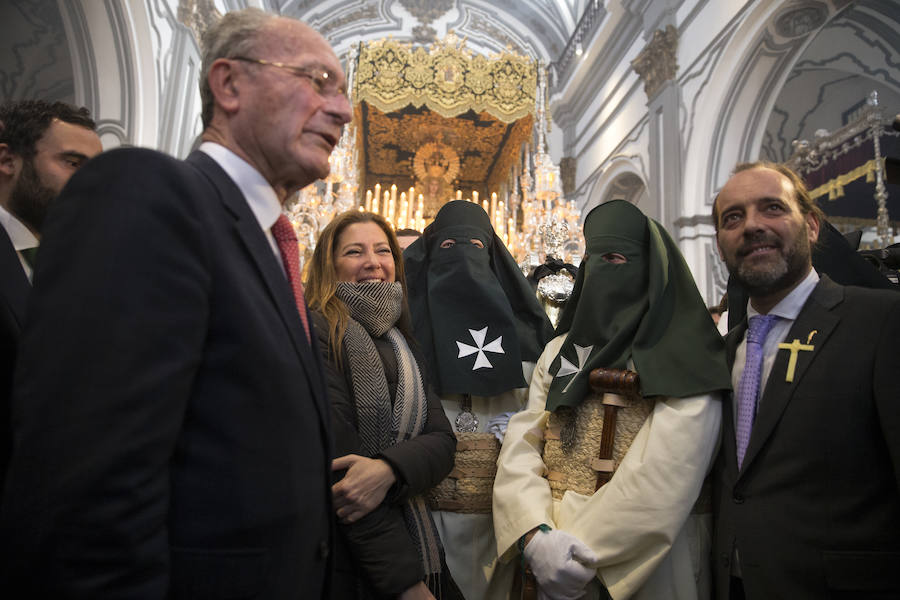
368, 200
404, 207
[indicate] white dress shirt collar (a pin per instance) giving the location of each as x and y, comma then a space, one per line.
790, 305
259, 194
19, 234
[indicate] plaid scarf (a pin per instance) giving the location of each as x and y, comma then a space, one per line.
374, 310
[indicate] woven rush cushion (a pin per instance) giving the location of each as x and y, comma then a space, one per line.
468, 487
572, 469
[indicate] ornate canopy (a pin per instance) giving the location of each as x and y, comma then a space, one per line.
467, 116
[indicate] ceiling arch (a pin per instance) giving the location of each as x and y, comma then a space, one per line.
536, 28
854, 54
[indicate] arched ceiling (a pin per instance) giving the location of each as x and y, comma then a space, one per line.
853, 55
536, 28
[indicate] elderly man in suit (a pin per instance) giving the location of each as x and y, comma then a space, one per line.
169, 411
808, 477
41, 145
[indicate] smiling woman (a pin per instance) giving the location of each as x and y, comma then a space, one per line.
392, 440
364, 254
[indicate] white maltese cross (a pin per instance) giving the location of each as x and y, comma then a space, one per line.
481, 361
567, 368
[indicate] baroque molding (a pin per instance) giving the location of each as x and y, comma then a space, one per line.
198, 15
800, 21
427, 11
657, 63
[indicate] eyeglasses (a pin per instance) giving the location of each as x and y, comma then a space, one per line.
323, 82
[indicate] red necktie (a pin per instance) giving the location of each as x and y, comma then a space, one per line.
284, 235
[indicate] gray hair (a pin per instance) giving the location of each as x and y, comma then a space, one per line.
235, 34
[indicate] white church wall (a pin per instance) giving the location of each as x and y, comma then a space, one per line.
136, 69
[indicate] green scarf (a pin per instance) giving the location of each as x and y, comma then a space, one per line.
474, 314
647, 309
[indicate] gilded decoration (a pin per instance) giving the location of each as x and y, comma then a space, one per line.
484, 147
436, 166
834, 188
657, 62
435, 124
445, 78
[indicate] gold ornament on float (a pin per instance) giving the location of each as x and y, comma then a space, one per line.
436, 166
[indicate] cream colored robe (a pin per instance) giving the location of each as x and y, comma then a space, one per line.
639, 524
468, 539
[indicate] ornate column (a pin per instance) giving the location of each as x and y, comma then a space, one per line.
657, 67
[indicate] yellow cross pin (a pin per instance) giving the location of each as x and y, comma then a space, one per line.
795, 348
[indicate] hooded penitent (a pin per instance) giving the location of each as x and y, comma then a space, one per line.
474, 315
646, 309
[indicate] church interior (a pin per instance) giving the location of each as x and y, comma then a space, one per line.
538, 110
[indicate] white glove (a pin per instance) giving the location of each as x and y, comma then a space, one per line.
497, 425
561, 563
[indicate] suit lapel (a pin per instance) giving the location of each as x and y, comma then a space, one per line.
732, 341
276, 282
813, 327
15, 283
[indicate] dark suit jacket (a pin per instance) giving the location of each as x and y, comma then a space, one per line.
170, 419
815, 509
14, 288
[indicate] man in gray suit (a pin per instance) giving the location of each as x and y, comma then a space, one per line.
807, 497
170, 418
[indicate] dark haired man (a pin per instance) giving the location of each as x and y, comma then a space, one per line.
172, 442
807, 494
41, 145
407, 236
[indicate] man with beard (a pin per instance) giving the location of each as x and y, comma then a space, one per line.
807, 500
41, 146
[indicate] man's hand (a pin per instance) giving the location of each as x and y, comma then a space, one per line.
362, 488
417, 592
562, 564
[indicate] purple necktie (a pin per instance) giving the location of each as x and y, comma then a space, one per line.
748, 387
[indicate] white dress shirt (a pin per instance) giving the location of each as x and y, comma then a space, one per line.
20, 236
259, 194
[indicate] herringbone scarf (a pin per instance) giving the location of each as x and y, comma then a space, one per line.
374, 310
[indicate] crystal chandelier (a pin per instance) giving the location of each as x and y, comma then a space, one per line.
549, 223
